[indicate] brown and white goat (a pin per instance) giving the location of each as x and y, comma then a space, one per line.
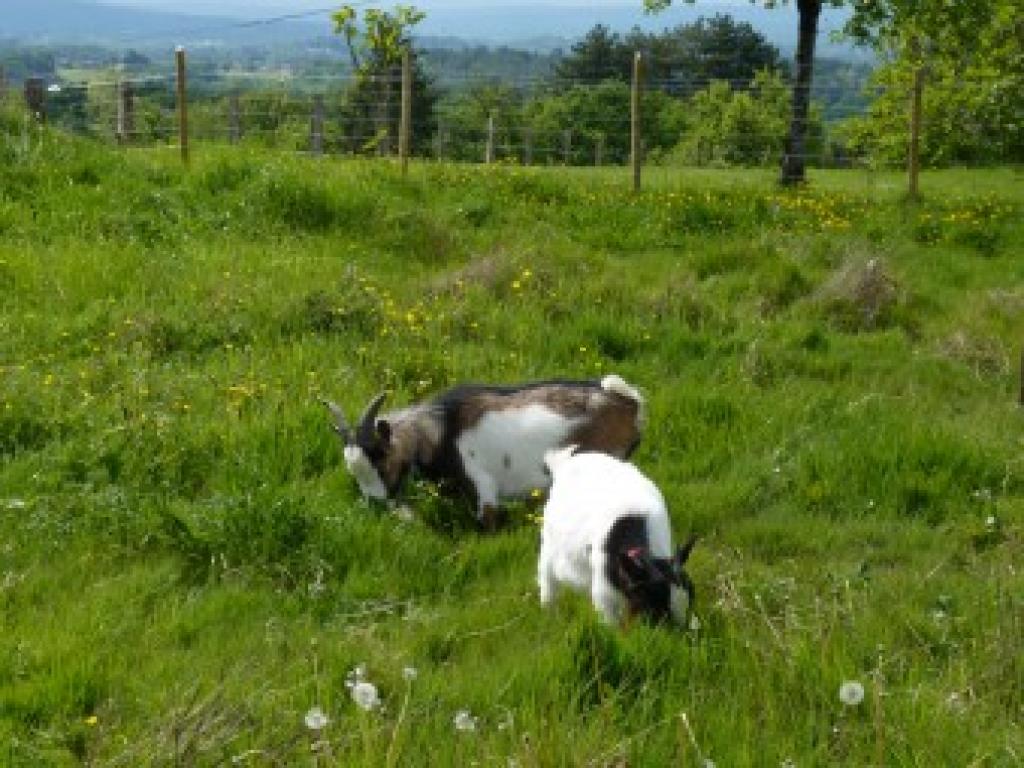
489, 440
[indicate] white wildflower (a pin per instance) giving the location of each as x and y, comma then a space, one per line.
316, 720
991, 523
410, 673
464, 721
355, 676
365, 696
507, 721
851, 693
956, 702
694, 623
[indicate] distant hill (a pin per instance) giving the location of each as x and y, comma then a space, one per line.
85, 21
539, 27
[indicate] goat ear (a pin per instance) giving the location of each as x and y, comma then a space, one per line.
384, 430
340, 423
634, 567
683, 553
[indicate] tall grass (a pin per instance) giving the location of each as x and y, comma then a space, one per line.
185, 569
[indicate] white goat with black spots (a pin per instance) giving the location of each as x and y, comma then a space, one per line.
606, 531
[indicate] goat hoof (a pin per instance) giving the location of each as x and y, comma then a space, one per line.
490, 519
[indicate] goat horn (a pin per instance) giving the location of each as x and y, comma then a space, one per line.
367, 429
340, 423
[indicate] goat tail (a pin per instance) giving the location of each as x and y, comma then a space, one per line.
619, 386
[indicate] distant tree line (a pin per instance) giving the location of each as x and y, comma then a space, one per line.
716, 93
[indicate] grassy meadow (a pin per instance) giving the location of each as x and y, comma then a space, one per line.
186, 570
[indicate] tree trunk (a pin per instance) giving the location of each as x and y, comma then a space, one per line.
794, 156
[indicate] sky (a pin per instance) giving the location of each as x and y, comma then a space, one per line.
256, 7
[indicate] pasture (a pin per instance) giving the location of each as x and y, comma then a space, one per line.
186, 570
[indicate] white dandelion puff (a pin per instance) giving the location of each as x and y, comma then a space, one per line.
991, 523
464, 721
410, 673
851, 693
365, 696
694, 623
316, 720
355, 676
507, 721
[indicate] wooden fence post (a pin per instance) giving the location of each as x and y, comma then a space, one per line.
567, 146
528, 146
179, 57
634, 125
1022, 378
439, 140
316, 126
35, 98
405, 136
914, 160
125, 112
489, 149
234, 119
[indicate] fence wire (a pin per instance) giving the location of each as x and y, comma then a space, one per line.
477, 118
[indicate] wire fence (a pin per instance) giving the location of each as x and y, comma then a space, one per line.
529, 120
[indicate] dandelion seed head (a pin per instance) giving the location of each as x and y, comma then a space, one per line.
365, 695
410, 673
851, 693
464, 721
316, 720
355, 676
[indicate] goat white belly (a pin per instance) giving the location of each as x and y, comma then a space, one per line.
509, 446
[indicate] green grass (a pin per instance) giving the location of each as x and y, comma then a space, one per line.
186, 569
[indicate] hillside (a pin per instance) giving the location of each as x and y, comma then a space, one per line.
542, 27
188, 574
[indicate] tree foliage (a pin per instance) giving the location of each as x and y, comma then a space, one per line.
728, 126
372, 109
716, 48
973, 94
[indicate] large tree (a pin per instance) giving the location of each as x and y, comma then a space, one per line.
794, 155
